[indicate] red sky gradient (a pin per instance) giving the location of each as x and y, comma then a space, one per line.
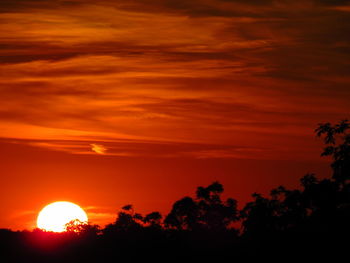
105, 103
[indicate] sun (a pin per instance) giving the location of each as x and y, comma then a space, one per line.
55, 216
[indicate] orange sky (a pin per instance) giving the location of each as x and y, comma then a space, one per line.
105, 103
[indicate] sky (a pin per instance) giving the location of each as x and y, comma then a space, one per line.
106, 103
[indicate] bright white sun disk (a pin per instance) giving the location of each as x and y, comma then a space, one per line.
55, 216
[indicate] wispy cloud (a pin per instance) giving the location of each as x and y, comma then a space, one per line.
235, 73
98, 148
100, 215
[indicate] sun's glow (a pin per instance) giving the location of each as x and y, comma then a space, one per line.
55, 216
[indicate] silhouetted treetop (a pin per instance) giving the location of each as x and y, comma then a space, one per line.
207, 211
337, 140
308, 180
127, 207
330, 131
210, 193
82, 228
154, 219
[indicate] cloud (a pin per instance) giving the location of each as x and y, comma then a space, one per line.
278, 149
98, 148
203, 72
100, 215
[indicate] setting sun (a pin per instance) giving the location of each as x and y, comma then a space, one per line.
55, 216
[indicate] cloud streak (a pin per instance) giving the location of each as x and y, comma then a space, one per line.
98, 148
204, 72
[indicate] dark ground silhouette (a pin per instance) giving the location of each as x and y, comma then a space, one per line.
309, 223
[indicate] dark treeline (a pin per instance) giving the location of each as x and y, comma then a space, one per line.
306, 223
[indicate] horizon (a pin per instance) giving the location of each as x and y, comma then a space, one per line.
109, 215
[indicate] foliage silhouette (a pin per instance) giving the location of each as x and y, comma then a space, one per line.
206, 212
82, 228
339, 151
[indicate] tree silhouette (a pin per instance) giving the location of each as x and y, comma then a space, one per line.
183, 215
207, 211
214, 214
260, 216
318, 204
127, 220
153, 219
339, 151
